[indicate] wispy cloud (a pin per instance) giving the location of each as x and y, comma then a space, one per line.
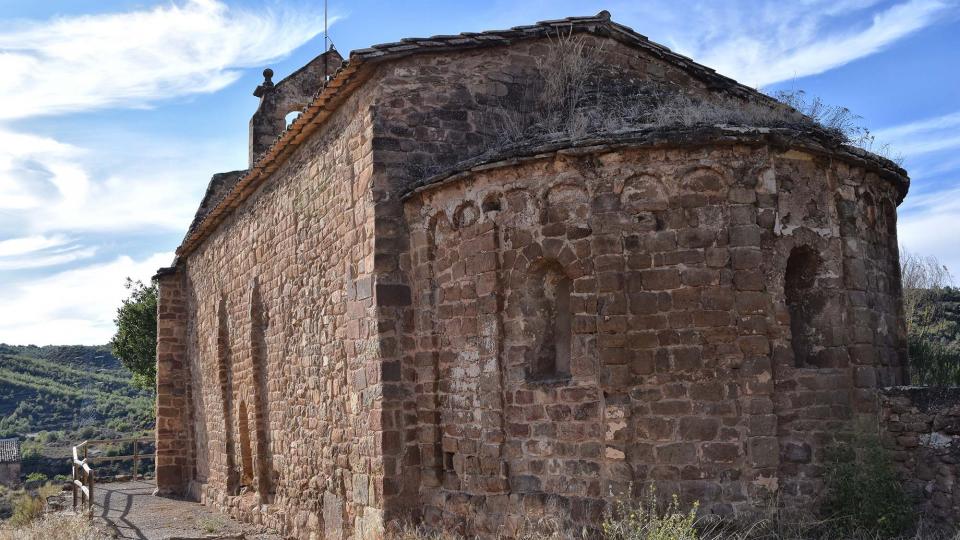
139, 57
29, 244
923, 136
46, 259
40, 251
774, 41
928, 224
74, 306
48, 187
57, 199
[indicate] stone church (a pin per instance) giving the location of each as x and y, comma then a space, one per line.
404, 311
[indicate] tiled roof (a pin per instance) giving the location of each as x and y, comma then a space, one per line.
9, 450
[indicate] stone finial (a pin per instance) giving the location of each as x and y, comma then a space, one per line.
266, 85
604, 14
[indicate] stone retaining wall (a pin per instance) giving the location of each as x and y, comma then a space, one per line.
922, 429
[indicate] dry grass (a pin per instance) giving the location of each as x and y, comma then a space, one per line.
59, 526
646, 518
570, 95
681, 526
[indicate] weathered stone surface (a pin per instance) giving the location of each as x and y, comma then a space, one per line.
919, 430
339, 349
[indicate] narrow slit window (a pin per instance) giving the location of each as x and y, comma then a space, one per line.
802, 303
551, 322
246, 457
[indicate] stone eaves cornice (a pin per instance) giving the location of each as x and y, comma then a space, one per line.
812, 140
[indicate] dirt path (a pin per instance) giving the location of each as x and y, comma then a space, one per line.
129, 510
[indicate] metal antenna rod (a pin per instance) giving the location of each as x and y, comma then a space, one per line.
326, 43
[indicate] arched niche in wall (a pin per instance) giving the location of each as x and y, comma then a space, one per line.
804, 304
701, 181
645, 197
259, 322
225, 376
491, 203
465, 215
869, 210
644, 193
246, 453
566, 203
548, 321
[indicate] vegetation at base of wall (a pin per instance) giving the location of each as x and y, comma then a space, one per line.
29, 505
135, 342
643, 519
863, 492
61, 527
932, 312
647, 518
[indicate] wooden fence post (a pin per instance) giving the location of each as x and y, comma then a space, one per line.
90, 500
74, 484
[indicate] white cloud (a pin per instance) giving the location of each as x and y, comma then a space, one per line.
48, 259
28, 244
72, 307
923, 136
51, 187
56, 197
928, 225
768, 42
139, 57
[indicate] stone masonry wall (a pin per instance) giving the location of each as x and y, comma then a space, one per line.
417, 131
921, 426
549, 332
282, 347
681, 367
174, 441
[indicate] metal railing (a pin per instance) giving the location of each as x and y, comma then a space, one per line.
83, 475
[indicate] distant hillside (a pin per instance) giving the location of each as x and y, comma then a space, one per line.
66, 388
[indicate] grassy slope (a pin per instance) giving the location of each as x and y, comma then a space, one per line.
64, 388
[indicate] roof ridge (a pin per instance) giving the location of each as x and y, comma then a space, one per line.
346, 78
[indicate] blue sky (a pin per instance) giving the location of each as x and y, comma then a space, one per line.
114, 114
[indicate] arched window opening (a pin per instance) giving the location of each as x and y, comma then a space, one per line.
291, 118
491, 203
246, 456
550, 320
803, 303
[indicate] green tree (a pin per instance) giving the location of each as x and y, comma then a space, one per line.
135, 342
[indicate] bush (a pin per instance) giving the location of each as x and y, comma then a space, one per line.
26, 509
863, 492
642, 520
30, 453
37, 477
